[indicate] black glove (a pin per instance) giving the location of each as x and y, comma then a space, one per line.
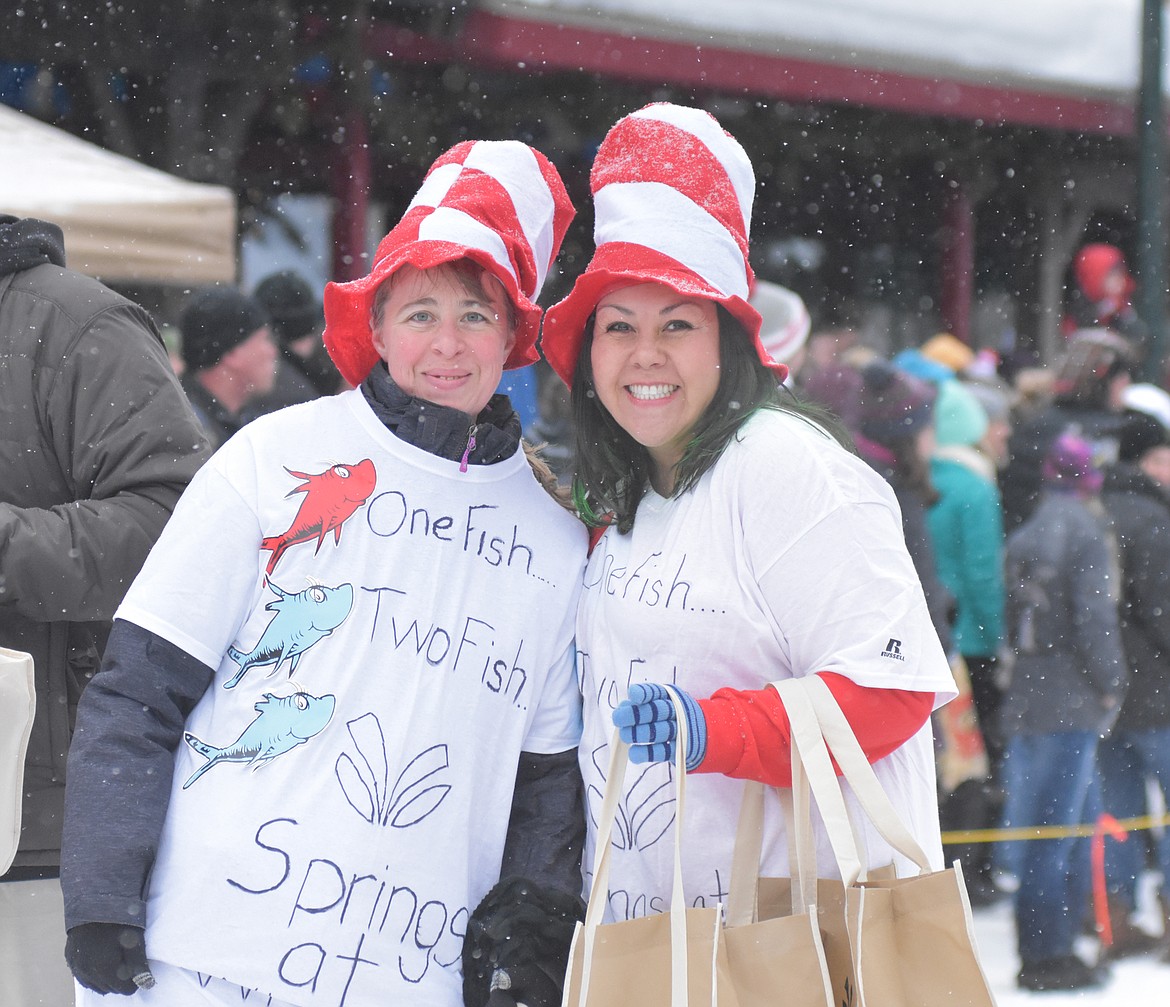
516, 948
108, 957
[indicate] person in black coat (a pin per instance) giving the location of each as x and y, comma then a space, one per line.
298, 322
1135, 497
96, 444
229, 356
1067, 686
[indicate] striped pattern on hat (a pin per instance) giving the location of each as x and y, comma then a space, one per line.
499, 203
692, 203
672, 194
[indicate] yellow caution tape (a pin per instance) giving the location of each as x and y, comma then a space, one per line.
1139, 824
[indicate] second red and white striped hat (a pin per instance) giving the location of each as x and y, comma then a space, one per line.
499, 203
672, 194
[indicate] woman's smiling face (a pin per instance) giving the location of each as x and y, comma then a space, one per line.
655, 359
443, 341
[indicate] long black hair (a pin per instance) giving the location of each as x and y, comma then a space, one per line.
612, 470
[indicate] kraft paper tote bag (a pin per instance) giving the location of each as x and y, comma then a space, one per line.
802, 893
667, 960
17, 705
910, 940
774, 952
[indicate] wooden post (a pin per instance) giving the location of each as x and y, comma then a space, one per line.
351, 195
1151, 191
958, 261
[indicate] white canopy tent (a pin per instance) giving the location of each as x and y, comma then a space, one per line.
123, 221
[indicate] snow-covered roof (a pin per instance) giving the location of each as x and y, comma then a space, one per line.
1075, 51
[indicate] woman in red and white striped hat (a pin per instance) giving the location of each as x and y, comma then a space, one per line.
739, 542
389, 549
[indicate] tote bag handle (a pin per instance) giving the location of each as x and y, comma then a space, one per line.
809, 760
812, 771
743, 890
619, 756
817, 721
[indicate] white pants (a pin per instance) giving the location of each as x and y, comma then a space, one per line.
176, 987
33, 972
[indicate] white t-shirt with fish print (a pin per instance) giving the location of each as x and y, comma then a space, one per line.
389, 634
786, 559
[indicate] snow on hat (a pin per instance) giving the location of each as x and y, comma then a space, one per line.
893, 404
499, 203
214, 321
959, 417
1069, 465
786, 322
672, 196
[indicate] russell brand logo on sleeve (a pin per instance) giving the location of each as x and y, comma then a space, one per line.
894, 650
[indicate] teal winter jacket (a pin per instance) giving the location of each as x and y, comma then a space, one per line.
966, 529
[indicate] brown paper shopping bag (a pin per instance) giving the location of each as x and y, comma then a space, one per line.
774, 951
802, 893
17, 705
667, 960
909, 941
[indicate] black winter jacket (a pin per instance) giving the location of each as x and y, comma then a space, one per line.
1062, 579
1140, 514
96, 444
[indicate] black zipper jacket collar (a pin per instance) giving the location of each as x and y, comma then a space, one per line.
441, 430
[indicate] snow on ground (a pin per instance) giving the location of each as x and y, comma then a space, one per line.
1141, 980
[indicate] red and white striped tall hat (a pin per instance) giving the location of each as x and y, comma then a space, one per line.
499, 203
672, 194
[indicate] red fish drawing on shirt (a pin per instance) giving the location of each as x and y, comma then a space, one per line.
331, 498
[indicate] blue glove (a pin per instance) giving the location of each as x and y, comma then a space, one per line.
647, 723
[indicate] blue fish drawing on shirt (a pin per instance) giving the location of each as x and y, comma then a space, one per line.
282, 723
301, 620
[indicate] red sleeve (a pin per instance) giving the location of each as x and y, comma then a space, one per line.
748, 735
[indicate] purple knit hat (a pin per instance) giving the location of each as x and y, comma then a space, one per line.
1069, 466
